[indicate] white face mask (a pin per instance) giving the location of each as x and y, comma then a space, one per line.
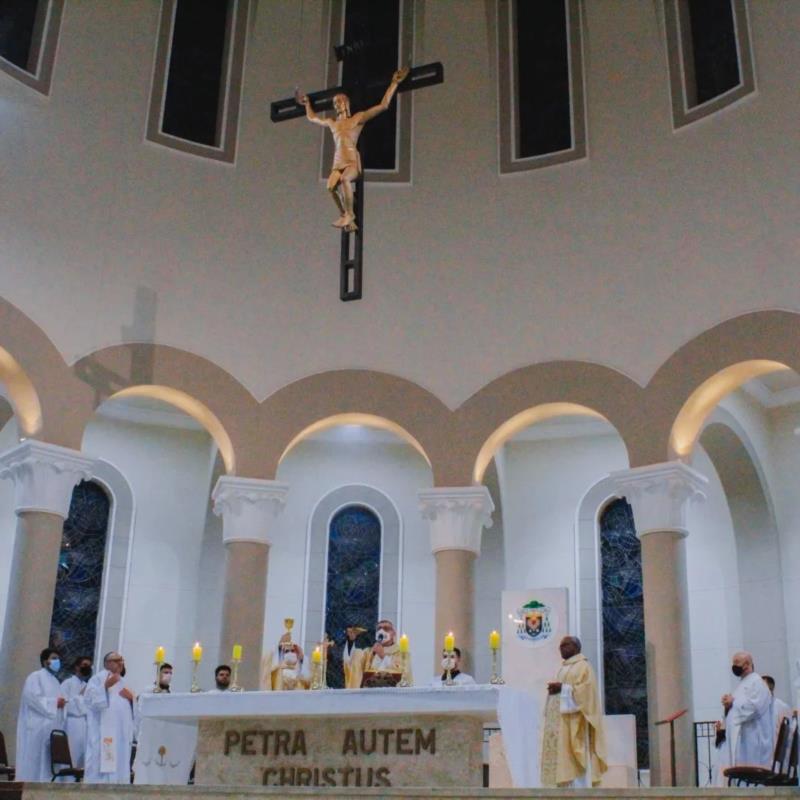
290, 659
448, 663
166, 678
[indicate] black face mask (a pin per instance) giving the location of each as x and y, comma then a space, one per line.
122, 673
737, 670
85, 671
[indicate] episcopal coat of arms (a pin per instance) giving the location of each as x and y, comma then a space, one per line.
535, 622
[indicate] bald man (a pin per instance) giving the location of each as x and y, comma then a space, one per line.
748, 718
573, 739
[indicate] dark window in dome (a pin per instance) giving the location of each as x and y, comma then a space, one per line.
195, 82
543, 86
79, 581
28, 37
373, 28
709, 56
352, 587
624, 663
713, 45
540, 70
17, 26
373, 38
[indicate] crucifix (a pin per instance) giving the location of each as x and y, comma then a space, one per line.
346, 181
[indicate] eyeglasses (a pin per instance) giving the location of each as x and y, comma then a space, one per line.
116, 660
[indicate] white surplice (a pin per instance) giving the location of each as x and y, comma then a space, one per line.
462, 679
110, 731
38, 715
749, 723
73, 689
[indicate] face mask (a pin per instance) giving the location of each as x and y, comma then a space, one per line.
290, 660
55, 665
737, 670
166, 678
86, 671
448, 663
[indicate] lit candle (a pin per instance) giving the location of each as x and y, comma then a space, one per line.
316, 656
404, 644
494, 640
197, 652
160, 655
449, 642
237, 652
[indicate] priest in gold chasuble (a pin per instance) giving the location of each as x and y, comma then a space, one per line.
573, 741
380, 665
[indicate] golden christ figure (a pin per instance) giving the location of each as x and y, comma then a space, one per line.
346, 128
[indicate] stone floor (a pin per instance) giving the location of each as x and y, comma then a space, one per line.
18, 791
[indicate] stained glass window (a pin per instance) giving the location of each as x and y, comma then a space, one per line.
354, 578
624, 666
76, 603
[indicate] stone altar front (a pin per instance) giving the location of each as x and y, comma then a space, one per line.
344, 738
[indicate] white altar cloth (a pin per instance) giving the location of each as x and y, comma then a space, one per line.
176, 718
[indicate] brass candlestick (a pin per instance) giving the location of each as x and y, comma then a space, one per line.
404, 682
449, 679
496, 679
326, 643
316, 674
157, 685
195, 685
234, 687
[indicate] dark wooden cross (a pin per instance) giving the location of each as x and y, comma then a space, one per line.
352, 244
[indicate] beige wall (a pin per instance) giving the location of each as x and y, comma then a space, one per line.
615, 261
452, 439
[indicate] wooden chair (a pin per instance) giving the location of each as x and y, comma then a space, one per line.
783, 771
61, 758
5, 768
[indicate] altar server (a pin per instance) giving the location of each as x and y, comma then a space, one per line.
383, 656
453, 663
40, 711
222, 679
748, 717
74, 689
109, 703
573, 740
778, 709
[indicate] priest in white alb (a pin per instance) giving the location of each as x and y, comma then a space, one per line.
748, 716
40, 712
573, 739
110, 714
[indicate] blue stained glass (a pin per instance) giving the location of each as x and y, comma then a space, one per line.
353, 580
624, 665
76, 604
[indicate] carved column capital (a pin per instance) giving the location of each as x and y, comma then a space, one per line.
457, 516
44, 476
660, 495
248, 506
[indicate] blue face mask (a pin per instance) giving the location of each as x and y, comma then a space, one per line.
55, 665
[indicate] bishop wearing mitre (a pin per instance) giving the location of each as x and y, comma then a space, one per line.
380, 665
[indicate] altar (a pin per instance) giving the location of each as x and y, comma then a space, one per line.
384, 737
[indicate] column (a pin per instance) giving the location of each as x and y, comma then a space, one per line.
44, 476
457, 518
660, 495
248, 507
